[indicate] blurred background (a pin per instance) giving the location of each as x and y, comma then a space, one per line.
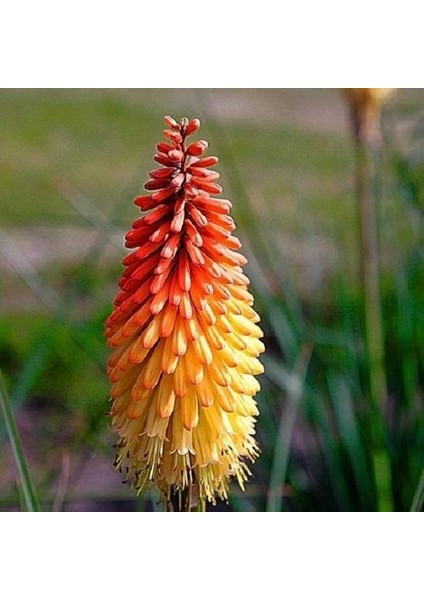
71, 162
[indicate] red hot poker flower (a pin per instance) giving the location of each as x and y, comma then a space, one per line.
184, 332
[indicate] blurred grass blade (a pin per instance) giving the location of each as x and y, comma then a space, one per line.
28, 375
285, 432
350, 433
331, 452
18, 261
405, 334
91, 214
418, 502
30, 497
62, 485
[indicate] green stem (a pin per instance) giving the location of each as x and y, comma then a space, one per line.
418, 501
367, 145
370, 275
29, 495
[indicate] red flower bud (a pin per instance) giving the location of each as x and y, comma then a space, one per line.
192, 127
197, 148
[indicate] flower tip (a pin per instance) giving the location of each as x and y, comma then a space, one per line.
186, 127
192, 126
172, 123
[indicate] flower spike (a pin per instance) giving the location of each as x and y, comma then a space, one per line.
184, 334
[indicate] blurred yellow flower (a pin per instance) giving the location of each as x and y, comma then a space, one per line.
374, 96
365, 104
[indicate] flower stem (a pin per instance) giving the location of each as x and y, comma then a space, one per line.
28, 491
185, 501
367, 146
